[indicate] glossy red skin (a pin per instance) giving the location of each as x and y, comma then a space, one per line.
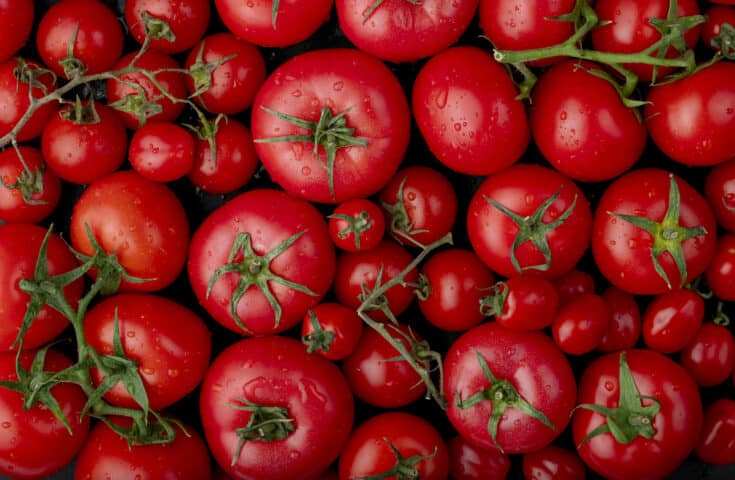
553, 463
368, 453
457, 280
235, 163
573, 283
629, 30
187, 19
672, 319
170, 343
521, 25
375, 374
720, 273
276, 371
18, 22
99, 35
108, 454
251, 21
716, 15
467, 462
83, 152
26, 431
624, 328
13, 208
142, 221
370, 238
399, 31
691, 120
716, 444
581, 126
531, 303
430, 202
339, 79
522, 189
580, 324
719, 189
342, 321
15, 101
20, 245
172, 82
161, 151
710, 355
357, 268
235, 82
622, 251
465, 107
270, 217
677, 424
532, 363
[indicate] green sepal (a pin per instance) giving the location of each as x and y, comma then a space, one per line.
404, 468
157, 28
377, 4
725, 43
266, 424
319, 339
492, 304
401, 226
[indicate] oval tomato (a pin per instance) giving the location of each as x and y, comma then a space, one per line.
715, 443
720, 273
580, 324
161, 151
553, 463
719, 189
28, 191
186, 21
709, 357
467, 462
624, 328
672, 319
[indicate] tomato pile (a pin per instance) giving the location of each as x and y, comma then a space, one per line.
367, 239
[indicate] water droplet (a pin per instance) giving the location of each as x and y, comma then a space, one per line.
173, 373
6, 425
609, 386
612, 243
730, 110
296, 93
529, 198
729, 199
130, 334
441, 98
457, 127
148, 371
563, 116
306, 171
338, 86
411, 196
632, 243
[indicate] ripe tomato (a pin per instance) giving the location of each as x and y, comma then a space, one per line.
709, 357
715, 444
17, 24
573, 283
161, 151
553, 463
580, 324
356, 224
672, 319
331, 125
186, 21
331, 330
717, 16
719, 189
720, 273
525, 303
389, 443
467, 462
624, 328
16, 93
271, 410
28, 191
466, 108
260, 261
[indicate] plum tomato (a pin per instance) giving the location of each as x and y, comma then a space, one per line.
671, 319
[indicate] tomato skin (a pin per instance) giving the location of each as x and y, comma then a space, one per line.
531, 303
276, 371
716, 16
715, 443
467, 462
13, 208
25, 431
466, 109
573, 283
369, 235
580, 324
161, 151
142, 221
342, 321
677, 425
187, 19
691, 120
719, 189
624, 328
710, 355
672, 319
720, 273
553, 463
18, 22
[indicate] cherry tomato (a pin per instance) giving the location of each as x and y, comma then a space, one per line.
526, 303
28, 191
580, 324
624, 328
186, 21
161, 151
709, 357
467, 462
715, 443
16, 93
672, 319
17, 25
356, 225
331, 330
553, 463
719, 189
720, 273
573, 283
717, 16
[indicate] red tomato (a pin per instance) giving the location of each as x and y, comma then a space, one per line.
553, 463
573, 283
17, 24
719, 189
525, 303
580, 324
624, 328
367, 125
272, 379
16, 93
644, 214
356, 225
331, 330
712, 28
185, 22
521, 377
672, 319
466, 108
161, 151
715, 444
391, 442
142, 222
467, 462
260, 261
709, 357
720, 273
28, 192
529, 219
401, 31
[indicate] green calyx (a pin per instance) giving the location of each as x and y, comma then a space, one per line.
630, 419
201, 71
266, 424
401, 226
138, 104
319, 339
725, 41
330, 132
274, 13
667, 234
355, 225
377, 4
156, 28
503, 395
404, 468
81, 113
29, 183
73, 67
254, 270
492, 304
30, 74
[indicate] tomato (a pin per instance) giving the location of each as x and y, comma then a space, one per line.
356, 224
643, 219
715, 444
401, 31
719, 189
709, 357
260, 261
658, 415
15, 95
356, 130
454, 282
553, 463
222, 84
467, 462
717, 16
466, 109
720, 273
303, 398
89, 28
509, 390
672, 319
108, 455
26, 430
573, 283
84, 142
529, 219
525, 303
18, 21
273, 23
624, 327
161, 151
580, 324
19, 249
142, 222
28, 191
391, 440
692, 119
581, 125
331, 330
170, 344
185, 22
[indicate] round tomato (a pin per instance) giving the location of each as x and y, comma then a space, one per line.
624, 327
715, 444
467, 462
331, 330
573, 283
553, 463
356, 224
185, 22
15, 97
719, 189
17, 25
709, 357
580, 324
524, 303
715, 34
720, 273
672, 319
161, 151
28, 191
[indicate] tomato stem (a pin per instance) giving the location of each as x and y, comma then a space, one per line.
404, 468
319, 339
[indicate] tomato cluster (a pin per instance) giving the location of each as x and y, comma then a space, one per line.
363, 239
